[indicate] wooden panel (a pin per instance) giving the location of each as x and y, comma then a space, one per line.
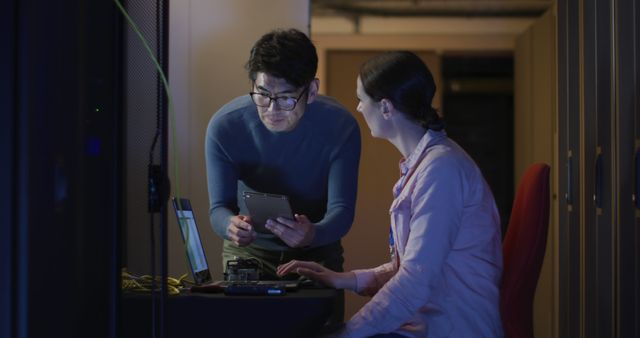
627, 109
534, 123
543, 117
543, 71
523, 97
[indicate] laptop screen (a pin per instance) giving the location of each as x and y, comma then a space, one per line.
193, 244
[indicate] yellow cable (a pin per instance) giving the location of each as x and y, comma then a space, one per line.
144, 283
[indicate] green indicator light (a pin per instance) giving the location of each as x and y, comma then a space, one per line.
97, 110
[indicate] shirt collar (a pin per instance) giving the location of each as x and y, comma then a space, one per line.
406, 164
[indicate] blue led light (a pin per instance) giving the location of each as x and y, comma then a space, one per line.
94, 146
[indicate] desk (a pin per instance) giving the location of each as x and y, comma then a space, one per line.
300, 313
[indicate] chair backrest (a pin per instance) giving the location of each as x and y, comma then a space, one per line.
523, 251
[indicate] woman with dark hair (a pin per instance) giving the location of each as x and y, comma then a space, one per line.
446, 260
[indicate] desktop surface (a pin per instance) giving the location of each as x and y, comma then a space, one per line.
300, 313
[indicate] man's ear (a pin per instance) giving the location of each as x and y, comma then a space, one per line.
314, 86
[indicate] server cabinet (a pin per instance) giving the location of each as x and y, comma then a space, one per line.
598, 162
569, 159
627, 127
599, 140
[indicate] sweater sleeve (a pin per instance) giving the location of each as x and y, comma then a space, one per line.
342, 190
222, 181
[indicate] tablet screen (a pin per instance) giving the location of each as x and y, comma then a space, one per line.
263, 206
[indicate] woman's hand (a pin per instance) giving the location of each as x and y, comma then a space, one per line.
317, 272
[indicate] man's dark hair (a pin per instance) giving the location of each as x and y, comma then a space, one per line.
402, 78
287, 54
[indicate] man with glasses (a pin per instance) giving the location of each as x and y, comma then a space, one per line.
283, 138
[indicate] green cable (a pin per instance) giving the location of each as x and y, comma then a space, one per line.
171, 110
167, 91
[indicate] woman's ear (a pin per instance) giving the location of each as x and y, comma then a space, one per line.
387, 108
314, 86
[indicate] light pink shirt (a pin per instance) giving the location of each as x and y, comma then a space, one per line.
444, 279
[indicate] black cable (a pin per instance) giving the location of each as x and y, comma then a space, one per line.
157, 174
156, 314
162, 21
153, 276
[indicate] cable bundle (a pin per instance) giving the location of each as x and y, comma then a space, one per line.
143, 283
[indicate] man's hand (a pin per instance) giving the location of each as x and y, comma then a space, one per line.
296, 233
240, 231
317, 272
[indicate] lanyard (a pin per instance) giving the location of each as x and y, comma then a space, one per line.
403, 182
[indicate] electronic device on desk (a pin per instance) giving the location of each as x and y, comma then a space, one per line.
248, 288
241, 269
192, 242
242, 275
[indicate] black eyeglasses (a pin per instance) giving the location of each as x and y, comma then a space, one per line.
283, 102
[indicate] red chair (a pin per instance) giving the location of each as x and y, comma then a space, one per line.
523, 251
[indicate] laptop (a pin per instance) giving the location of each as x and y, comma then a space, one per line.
200, 268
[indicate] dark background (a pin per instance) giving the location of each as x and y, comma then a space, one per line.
478, 107
62, 168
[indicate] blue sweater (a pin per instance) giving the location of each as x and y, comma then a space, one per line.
315, 164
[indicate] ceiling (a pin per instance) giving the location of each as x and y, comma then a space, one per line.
430, 8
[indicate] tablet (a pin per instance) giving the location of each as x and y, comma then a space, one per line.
263, 206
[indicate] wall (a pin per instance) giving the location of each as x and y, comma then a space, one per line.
434, 34
535, 138
209, 45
